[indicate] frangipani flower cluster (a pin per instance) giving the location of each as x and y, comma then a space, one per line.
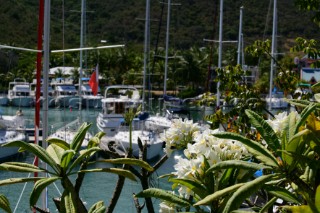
179, 134
201, 149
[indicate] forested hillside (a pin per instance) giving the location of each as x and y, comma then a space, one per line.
122, 21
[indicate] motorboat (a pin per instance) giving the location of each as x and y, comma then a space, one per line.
19, 93
117, 100
88, 99
172, 102
12, 128
64, 90
51, 102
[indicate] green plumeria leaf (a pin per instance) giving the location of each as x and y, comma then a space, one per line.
19, 167
299, 103
317, 198
100, 135
61, 143
38, 187
93, 142
37, 151
245, 191
268, 205
294, 146
85, 153
66, 158
317, 97
130, 161
164, 195
264, 129
122, 172
194, 186
256, 149
79, 137
97, 208
304, 115
55, 152
4, 204
302, 159
289, 127
218, 194
282, 193
18, 180
298, 209
237, 164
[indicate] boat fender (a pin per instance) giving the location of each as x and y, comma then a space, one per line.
143, 116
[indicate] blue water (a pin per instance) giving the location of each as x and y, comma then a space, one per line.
96, 187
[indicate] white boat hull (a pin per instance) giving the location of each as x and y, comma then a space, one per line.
22, 101
63, 101
92, 102
9, 136
154, 143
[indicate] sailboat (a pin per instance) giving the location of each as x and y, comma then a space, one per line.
68, 131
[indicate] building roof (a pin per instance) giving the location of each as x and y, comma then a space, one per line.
65, 70
308, 73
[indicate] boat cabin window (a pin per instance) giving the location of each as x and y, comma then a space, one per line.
22, 93
117, 108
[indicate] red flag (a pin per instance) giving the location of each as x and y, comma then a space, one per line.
94, 81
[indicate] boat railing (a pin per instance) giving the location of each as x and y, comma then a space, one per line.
136, 125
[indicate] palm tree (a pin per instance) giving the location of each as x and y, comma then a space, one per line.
193, 66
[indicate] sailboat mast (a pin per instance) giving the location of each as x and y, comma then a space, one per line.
81, 54
220, 49
240, 36
167, 49
146, 52
46, 55
38, 76
273, 48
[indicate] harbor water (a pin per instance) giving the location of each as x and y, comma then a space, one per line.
96, 186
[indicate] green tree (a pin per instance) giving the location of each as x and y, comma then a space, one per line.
193, 66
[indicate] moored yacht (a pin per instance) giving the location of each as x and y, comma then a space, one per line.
50, 97
64, 90
118, 99
19, 93
88, 99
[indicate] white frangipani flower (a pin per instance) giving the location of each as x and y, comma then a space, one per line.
279, 121
199, 146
